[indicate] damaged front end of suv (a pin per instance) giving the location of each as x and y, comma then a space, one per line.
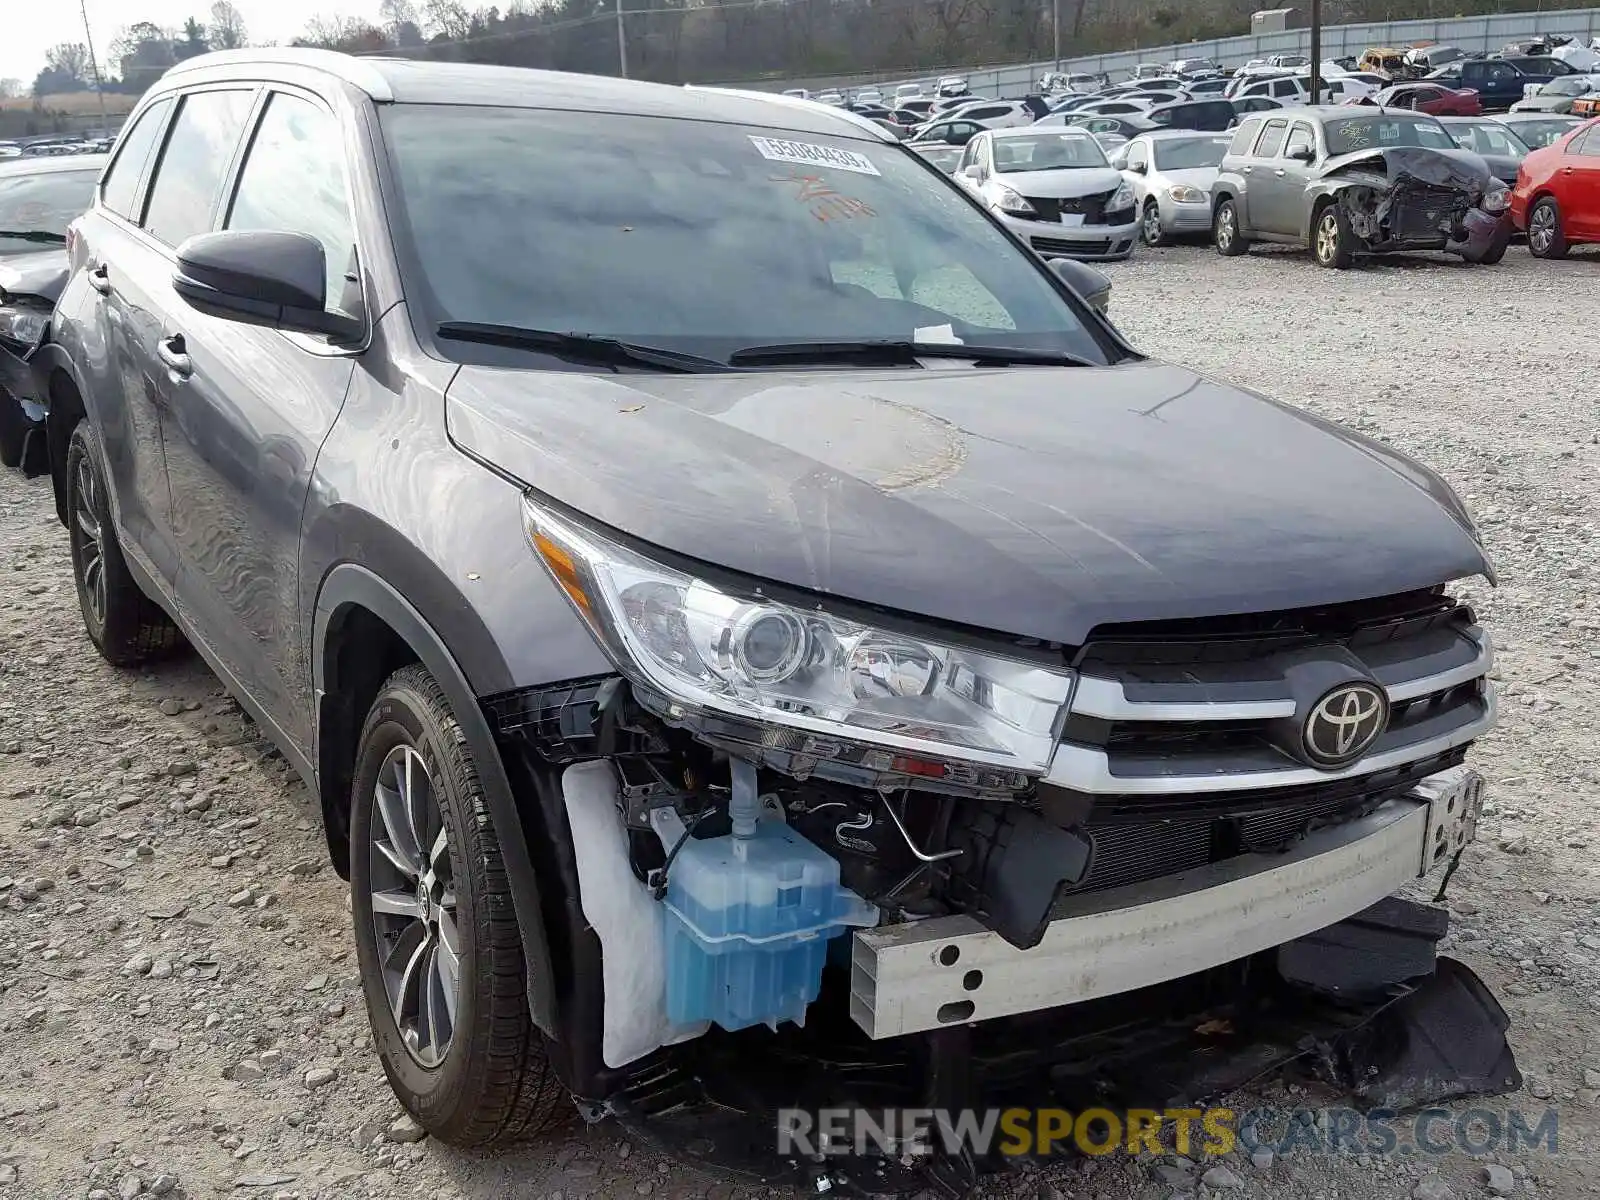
1404, 198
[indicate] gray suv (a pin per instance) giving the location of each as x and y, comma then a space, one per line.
1349, 180
742, 613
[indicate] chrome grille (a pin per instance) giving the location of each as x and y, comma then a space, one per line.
1157, 712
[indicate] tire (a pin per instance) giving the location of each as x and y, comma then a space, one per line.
1150, 231
1546, 237
1330, 238
1225, 231
13, 430
464, 1059
125, 625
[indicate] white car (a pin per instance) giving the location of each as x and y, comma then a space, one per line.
951, 85
1286, 89
1122, 106
1171, 173
1054, 189
907, 91
869, 96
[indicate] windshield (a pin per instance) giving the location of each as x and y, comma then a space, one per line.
43, 202
1538, 134
1488, 138
703, 237
1047, 152
1381, 132
1183, 154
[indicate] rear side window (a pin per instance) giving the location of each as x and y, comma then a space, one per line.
1272, 139
293, 181
120, 187
199, 148
1585, 144
1245, 137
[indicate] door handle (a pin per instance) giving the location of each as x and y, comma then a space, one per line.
171, 352
1279, 172
1247, 170
100, 280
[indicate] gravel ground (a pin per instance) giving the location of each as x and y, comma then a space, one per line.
178, 1000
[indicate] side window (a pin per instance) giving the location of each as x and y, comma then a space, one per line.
120, 186
1245, 137
1284, 87
1300, 138
1586, 144
1271, 143
189, 177
1138, 156
294, 181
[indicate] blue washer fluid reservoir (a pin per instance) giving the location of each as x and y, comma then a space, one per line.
748, 924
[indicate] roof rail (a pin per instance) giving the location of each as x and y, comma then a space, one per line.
797, 102
352, 70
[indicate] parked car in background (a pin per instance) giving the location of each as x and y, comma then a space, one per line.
39, 198
1499, 82
831, 96
1119, 128
1343, 89
1171, 174
1388, 61
1053, 188
1560, 95
1537, 129
921, 105
1423, 59
1286, 89
1254, 104
987, 114
1586, 105
797, 93
906, 91
946, 157
1430, 98
1122, 106
1214, 115
1347, 181
1149, 70
10, 150
1196, 68
951, 85
1491, 141
1556, 201
1215, 85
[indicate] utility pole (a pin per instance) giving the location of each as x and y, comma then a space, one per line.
1316, 51
622, 42
99, 84
1055, 30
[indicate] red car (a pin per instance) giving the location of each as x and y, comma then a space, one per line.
1431, 98
1557, 198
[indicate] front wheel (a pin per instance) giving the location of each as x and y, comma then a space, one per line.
1546, 238
1331, 244
1150, 225
1225, 229
436, 934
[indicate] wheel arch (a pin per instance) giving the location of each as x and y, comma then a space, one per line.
58, 381
357, 607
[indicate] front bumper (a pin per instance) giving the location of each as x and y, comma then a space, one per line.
1089, 243
1487, 235
17, 380
1183, 220
951, 970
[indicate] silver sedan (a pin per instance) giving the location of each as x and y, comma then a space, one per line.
1171, 172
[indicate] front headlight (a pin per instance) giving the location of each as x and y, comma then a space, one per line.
23, 322
1121, 198
1009, 200
738, 653
1496, 198
1182, 193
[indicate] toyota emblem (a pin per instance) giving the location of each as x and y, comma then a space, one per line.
1344, 724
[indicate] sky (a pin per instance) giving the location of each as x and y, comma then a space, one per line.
32, 28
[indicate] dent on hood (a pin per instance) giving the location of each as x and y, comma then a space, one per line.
1398, 194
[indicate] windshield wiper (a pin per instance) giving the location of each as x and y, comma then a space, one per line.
891, 353
35, 235
578, 347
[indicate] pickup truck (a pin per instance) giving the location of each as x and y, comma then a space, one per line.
1501, 82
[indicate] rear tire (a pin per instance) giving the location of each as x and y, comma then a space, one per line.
436, 933
1225, 231
1331, 238
125, 625
1546, 238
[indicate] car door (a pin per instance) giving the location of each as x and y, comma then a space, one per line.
1135, 166
1262, 205
969, 171
114, 322
251, 406
1580, 186
1290, 175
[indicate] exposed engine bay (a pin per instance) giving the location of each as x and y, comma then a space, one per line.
1414, 198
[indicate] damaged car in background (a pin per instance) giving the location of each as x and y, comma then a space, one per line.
866, 682
1350, 182
39, 197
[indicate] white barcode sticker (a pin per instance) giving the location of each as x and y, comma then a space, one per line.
811, 155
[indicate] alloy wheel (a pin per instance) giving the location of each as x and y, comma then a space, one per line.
414, 906
1225, 226
87, 536
1328, 236
1541, 229
1152, 225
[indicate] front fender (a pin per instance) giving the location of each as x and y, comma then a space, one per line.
53, 374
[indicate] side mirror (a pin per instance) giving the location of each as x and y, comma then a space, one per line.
973, 172
1303, 154
1094, 286
261, 277
1139, 168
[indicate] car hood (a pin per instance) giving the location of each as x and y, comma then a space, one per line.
1454, 168
1551, 104
1037, 502
1065, 184
1196, 177
41, 273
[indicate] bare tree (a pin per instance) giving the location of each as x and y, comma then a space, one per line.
10, 89
227, 26
448, 19
69, 60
